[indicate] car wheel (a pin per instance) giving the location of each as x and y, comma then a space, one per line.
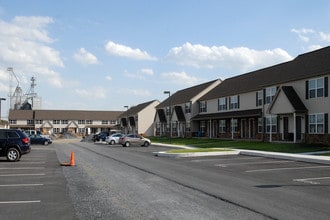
112, 142
46, 143
13, 155
146, 144
127, 144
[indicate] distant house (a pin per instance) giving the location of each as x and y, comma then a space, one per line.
61, 121
173, 115
139, 119
285, 102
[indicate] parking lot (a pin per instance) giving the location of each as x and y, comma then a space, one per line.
34, 187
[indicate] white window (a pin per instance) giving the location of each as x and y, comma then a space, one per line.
234, 125
89, 122
259, 98
64, 122
30, 122
202, 106
187, 107
316, 123
81, 122
105, 122
56, 122
13, 122
270, 93
271, 123
316, 88
39, 122
233, 102
222, 126
222, 105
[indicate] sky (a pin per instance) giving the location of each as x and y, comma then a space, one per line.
107, 54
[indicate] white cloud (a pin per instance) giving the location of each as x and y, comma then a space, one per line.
303, 33
148, 72
108, 78
324, 36
236, 59
125, 51
135, 92
84, 57
93, 92
179, 78
24, 45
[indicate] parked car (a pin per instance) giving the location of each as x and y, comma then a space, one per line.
13, 144
114, 138
135, 139
100, 136
40, 139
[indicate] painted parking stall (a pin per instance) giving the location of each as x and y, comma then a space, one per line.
31, 187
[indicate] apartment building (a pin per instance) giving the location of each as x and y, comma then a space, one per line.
62, 121
285, 102
173, 115
139, 119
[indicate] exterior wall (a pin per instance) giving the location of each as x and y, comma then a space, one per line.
146, 119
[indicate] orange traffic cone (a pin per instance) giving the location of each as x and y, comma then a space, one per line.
72, 162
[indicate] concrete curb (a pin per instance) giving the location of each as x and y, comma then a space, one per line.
305, 157
286, 156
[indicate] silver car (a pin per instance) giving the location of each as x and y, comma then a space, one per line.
114, 138
134, 139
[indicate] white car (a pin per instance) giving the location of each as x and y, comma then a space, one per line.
114, 138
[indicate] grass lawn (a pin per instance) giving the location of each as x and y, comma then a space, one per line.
248, 145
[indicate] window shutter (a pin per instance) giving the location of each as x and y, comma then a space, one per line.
264, 96
238, 101
229, 102
326, 86
226, 107
306, 89
218, 104
326, 123
306, 124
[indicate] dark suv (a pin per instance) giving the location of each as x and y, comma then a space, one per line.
13, 144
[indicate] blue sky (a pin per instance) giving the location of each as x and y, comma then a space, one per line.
105, 54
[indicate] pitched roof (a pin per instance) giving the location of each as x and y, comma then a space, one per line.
136, 109
312, 64
63, 115
185, 95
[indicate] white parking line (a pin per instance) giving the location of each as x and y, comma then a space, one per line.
19, 202
21, 185
22, 168
286, 168
24, 174
266, 162
311, 180
226, 159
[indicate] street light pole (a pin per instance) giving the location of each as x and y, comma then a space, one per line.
1, 99
169, 113
126, 106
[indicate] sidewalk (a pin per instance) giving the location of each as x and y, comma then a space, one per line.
305, 157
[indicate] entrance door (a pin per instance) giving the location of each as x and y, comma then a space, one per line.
298, 127
286, 128
243, 129
251, 128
